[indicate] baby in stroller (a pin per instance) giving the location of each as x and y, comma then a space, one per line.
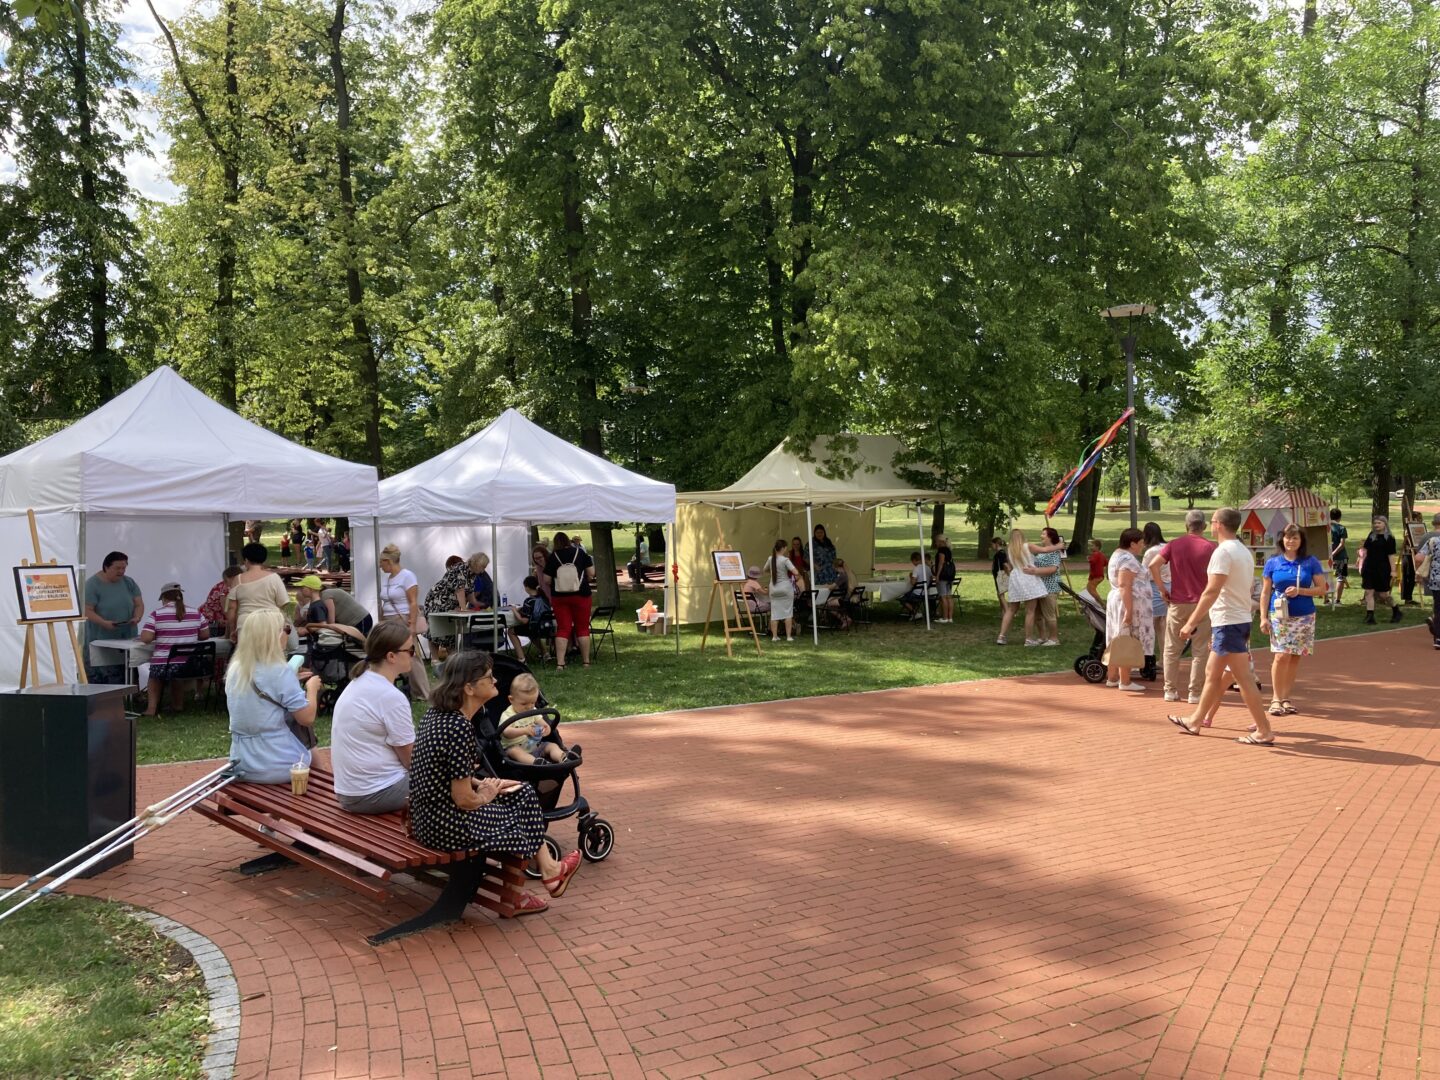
549, 776
525, 741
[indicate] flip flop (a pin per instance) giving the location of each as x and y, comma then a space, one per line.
1179, 722
1251, 740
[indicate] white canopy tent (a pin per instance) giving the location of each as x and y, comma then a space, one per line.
484, 494
783, 483
155, 473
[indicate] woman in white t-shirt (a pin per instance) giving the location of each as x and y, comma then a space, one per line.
399, 600
780, 579
374, 731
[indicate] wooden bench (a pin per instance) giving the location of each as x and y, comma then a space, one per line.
361, 851
1116, 508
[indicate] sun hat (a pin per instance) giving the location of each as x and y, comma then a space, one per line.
752, 571
311, 581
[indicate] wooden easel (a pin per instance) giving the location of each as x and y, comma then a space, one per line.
725, 591
30, 658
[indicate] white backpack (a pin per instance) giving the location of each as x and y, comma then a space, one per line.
567, 576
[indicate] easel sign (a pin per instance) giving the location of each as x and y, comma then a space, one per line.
47, 593
735, 617
729, 566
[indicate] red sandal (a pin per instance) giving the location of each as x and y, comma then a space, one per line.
530, 904
557, 885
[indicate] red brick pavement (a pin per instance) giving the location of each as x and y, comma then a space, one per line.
1015, 878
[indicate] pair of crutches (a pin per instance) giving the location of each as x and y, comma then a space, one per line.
144, 823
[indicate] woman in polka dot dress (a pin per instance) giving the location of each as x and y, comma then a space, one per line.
452, 810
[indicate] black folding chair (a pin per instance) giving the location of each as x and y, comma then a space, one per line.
599, 630
195, 660
761, 618
858, 605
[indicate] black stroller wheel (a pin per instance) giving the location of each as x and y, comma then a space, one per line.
1094, 671
598, 840
532, 866
1080, 662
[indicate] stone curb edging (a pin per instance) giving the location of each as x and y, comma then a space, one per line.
224, 1040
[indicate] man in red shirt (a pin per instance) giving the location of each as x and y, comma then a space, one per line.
1188, 557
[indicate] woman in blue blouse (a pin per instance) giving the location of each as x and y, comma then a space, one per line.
1293, 578
264, 695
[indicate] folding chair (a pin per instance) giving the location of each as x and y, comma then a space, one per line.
762, 618
195, 660
607, 613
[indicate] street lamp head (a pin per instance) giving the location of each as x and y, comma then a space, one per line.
1127, 311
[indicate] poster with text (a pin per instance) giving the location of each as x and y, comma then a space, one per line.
47, 593
729, 566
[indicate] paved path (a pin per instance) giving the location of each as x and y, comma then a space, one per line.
1015, 878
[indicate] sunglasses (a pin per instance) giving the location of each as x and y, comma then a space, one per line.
408, 649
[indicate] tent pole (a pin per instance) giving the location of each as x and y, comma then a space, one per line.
814, 607
379, 604
924, 589
665, 581
494, 593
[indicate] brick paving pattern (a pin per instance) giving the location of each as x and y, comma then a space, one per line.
1016, 878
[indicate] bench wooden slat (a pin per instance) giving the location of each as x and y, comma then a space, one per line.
384, 834
368, 848
377, 893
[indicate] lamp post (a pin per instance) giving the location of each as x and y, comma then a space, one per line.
1127, 342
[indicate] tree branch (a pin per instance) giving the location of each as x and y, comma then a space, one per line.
211, 135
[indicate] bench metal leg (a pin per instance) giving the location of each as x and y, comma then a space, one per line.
449, 906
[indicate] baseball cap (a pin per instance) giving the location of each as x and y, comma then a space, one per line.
172, 586
311, 581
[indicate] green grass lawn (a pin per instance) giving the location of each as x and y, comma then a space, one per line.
88, 991
651, 677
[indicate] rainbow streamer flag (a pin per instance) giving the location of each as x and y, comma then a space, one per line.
1088, 460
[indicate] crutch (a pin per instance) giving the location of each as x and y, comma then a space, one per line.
153, 817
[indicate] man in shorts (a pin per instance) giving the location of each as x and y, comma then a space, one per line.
1226, 600
1338, 556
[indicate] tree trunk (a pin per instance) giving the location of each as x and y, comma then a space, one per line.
802, 215
364, 344
1381, 478
226, 257
774, 285
937, 521
988, 524
98, 293
1087, 496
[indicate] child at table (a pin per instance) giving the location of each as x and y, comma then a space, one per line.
525, 741
533, 614
919, 579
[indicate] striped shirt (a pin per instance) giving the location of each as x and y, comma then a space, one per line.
170, 631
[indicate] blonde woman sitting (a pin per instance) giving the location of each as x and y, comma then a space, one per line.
267, 702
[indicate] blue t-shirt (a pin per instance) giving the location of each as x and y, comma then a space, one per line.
484, 590
1283, 573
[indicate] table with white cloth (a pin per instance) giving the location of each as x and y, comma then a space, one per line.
135, 655
886, 590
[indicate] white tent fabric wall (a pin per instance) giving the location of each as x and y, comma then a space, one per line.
190, 550
424, 549
59, 540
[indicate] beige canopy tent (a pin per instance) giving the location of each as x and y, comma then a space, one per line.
779, 496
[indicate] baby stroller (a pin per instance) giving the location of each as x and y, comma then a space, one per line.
1090, 667
596, 837
329, 657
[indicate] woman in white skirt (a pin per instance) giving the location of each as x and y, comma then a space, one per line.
780, 579
1024, 589
1127, 609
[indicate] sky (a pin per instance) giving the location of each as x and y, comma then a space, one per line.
141, 39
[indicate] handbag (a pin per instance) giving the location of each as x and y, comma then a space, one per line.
1126, 651
305, 735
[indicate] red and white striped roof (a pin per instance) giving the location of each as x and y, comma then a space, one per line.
1278, 497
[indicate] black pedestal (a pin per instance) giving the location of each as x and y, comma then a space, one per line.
67, 774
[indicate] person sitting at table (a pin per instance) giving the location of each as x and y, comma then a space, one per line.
256, 588
329, 616
840, 590
914, 599
168, 626
755, 597
113, 609
267, 702
450, 593
213, 609
535, 615
374, 731
482, 587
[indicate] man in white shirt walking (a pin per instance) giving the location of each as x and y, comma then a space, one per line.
1226, 600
